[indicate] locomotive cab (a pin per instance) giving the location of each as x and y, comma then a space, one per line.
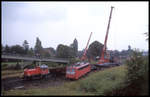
44, 69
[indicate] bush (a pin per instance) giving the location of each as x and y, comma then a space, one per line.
4, 66
74, 60
137, 67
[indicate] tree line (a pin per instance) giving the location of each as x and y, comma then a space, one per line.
62, 51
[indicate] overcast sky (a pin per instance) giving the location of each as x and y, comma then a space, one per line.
61, 22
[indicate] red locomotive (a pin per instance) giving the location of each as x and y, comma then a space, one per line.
39, 71
78, 70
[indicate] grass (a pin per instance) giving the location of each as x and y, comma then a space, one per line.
11, 73
8, 72
95, 83
103, 81
47, 91
12, 63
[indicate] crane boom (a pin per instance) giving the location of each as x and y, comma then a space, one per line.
102, 59
84, 54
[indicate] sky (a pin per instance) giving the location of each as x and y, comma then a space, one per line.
61, 22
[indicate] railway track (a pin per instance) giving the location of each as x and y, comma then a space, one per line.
19, 83
55, 78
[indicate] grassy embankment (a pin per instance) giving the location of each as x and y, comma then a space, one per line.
95, 83
8, 70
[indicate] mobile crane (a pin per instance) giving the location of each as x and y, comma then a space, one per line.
104, 59
84, 54
83, 58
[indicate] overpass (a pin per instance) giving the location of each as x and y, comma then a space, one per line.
57, 60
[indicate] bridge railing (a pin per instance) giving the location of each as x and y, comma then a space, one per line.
34, 57
39, 57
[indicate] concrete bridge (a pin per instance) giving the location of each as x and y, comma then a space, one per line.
57, 60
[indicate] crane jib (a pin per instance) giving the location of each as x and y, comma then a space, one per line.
105, 42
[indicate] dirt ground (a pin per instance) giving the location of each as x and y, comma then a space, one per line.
18, 83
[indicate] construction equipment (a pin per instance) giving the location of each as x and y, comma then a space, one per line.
84, 54
104, 59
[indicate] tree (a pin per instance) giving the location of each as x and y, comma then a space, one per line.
137, 67
64, 51
17, 49
74, 47
129, 47
94, 50
38, 47
31, 52
2, 50
7, 49
26, 46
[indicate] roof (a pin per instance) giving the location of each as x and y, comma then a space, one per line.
81, 64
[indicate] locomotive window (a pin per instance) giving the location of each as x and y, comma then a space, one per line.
73, 70
83, 67
70, 71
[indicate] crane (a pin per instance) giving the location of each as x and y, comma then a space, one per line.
84, 54
102, 58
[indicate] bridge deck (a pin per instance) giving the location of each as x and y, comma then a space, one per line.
35, 59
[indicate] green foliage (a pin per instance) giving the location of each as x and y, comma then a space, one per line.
64, 51
7, 49
11, 66
137, 67
94, 50
4, 66
31, 52
25, 46
74, 60
74, 47
101, 82
38, 46
17, 49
